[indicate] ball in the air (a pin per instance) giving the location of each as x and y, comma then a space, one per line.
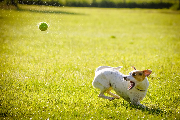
43, 26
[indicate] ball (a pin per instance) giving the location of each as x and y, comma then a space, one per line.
43, 26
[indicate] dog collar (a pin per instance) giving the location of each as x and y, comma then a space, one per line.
140, 90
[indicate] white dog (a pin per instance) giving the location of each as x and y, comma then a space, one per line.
132, 87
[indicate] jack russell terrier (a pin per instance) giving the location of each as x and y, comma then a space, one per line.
132, 87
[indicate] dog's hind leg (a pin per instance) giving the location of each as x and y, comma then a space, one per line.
112, 94
101, 83
101, 95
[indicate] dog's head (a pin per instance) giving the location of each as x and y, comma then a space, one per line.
136, 76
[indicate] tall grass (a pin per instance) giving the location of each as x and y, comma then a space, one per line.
48, 75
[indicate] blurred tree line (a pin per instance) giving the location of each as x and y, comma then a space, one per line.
100, 3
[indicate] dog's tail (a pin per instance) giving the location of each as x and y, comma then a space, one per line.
118, 68
104, 67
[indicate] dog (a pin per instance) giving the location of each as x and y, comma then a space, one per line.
132, 87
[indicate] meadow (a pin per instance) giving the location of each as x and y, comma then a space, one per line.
49, 74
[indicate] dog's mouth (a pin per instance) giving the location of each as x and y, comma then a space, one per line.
132, 84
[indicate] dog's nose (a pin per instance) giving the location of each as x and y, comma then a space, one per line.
125, 78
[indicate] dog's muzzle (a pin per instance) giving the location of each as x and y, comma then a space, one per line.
125, 78
132, 84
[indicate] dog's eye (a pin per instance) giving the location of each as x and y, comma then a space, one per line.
140, 74
134, 74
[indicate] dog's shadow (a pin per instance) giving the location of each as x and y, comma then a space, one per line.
153, 110
150, 110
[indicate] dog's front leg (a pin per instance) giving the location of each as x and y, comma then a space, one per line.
137, 102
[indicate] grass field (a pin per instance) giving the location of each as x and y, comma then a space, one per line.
48, 75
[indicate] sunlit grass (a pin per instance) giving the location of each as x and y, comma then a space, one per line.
49, 74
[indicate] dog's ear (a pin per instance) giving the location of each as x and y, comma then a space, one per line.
133, 67
147, 72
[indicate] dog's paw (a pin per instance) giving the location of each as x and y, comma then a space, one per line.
111, 98
142, 106
117, 97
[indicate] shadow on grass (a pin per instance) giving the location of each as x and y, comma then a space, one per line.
50, 11
153, 110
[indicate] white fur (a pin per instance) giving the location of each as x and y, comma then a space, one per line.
108, 78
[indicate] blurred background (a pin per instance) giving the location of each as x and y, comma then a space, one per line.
173, 4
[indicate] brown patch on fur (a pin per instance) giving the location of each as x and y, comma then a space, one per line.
139, 75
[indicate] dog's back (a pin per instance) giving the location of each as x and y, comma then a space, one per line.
105, 67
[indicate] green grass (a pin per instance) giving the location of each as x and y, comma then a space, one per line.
48, 75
